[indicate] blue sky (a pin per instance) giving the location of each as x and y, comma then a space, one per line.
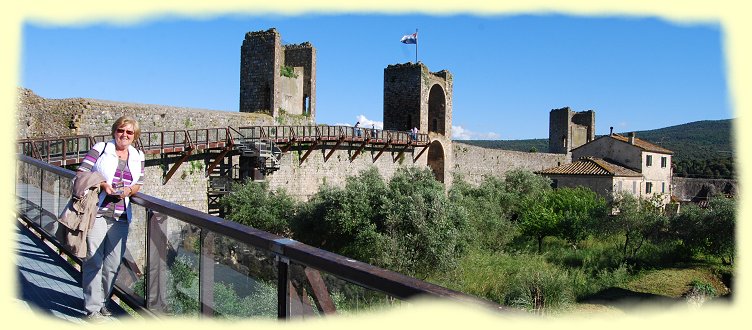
637, 73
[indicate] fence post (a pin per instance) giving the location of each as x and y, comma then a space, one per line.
283, 290
206, 274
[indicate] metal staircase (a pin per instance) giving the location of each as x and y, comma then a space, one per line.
267, 154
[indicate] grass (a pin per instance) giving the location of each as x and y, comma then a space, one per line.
674, 282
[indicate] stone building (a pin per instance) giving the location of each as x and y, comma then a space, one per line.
600, 175
277, 79
616, 154
568, 129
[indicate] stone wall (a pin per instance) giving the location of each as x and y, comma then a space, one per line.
687, 189
302, 180
472, 162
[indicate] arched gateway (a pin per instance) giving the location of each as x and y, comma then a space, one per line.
436, 160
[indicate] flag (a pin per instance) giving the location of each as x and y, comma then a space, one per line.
410, 38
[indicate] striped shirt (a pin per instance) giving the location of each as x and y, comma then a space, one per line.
113, 206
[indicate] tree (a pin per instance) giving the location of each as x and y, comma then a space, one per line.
579, 210
425, 227
708, 230
538, 218
254, 205
408, 226
489, 212
638, 220
343, 220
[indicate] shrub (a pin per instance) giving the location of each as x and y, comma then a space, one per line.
700, 287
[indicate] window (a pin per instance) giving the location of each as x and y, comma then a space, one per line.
620, 186
634, 187
648, 187
554, 183
663, 187
664, 162
649, 160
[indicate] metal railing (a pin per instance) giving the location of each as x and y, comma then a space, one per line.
180, 261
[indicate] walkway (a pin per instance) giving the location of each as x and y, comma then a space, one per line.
47, 284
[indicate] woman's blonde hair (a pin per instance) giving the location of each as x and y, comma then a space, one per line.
125, 120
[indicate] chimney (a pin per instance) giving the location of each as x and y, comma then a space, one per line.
612, 131
631, 137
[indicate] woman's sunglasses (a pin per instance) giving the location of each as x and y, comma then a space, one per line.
121, 131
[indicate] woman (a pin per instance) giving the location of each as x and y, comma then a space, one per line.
122, 166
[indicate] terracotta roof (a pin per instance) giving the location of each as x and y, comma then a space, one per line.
591, 166
642, 144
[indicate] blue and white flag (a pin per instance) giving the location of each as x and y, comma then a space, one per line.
410, 38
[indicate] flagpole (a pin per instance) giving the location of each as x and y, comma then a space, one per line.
416, 45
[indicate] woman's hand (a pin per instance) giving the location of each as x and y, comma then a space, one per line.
127, 191
107, 188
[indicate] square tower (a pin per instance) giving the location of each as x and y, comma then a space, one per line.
276, 78
416, 97
568, 129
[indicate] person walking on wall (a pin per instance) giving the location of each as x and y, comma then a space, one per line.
374, 134
122, 167
358, 130
414, 133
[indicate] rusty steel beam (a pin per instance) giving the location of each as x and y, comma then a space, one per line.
382, 150
175, 166
217, 160
341, 139
400, 153
322, 299
289, 145
420, 154
310, 149
362, 146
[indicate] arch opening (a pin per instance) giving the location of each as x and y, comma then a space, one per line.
436, 160
437, 110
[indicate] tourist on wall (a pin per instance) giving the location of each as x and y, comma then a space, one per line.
122, 167
358, 131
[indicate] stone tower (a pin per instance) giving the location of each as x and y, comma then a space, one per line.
568, 129
416, 97
276, 77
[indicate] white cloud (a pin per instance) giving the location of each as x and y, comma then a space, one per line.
364, 122
461, 133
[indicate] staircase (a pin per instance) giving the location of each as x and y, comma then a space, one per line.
265, 151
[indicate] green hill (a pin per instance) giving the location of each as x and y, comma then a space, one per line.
701, 148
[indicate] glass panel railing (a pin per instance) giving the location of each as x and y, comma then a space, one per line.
173, 282
50, 201
30, 183
184, 262
240, 280
131, 274
317, 293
